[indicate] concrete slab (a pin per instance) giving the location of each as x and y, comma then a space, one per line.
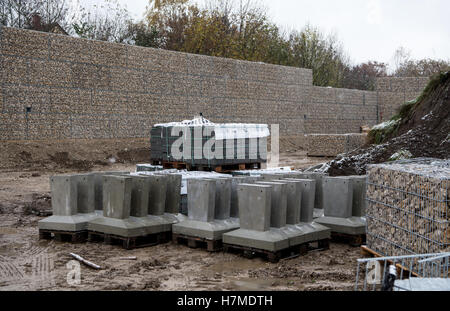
278, 208
272, 240
351, 225
129, 227
212, 230
338, 198
78, 222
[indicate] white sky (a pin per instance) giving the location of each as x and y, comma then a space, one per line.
368, 29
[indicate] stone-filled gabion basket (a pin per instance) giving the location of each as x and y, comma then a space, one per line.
408, 208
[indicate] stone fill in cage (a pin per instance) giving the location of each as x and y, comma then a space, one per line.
408, 207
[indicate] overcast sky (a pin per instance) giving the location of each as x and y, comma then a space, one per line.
368, 29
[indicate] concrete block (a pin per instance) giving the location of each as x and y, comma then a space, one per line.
86, 193
234, 204
351, 225
158, 193
201, 199
223, 198
140, 196
278, 207
319, 194
294, 200
308, 189
116, 196
98, 187
72, 203
64, 192
338, 197
254, 206
359, 184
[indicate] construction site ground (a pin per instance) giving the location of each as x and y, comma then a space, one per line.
27, 263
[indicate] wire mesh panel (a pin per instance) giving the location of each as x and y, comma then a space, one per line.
409, 272
408, 207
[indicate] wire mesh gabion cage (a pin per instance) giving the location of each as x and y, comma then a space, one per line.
408, 207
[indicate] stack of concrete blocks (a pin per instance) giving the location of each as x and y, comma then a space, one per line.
299, 217
208, 218
260, 224
131, 207
72, 203
344, 204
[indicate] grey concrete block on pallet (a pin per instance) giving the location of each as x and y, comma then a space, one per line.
338, 198
278, 208
140, 196
201, 199
255, 203
71, 203
201, 220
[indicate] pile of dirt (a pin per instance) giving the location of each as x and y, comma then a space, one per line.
63, 155
420, 129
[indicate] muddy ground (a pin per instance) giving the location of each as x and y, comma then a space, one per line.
26, 263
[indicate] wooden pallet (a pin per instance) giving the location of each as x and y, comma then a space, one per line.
355, 240
274, 257
130, 242
196, 242
320, 245
63, 236
367, 252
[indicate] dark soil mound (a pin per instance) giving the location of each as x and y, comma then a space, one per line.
420, 129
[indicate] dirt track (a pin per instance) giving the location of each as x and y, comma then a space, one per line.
27, 263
